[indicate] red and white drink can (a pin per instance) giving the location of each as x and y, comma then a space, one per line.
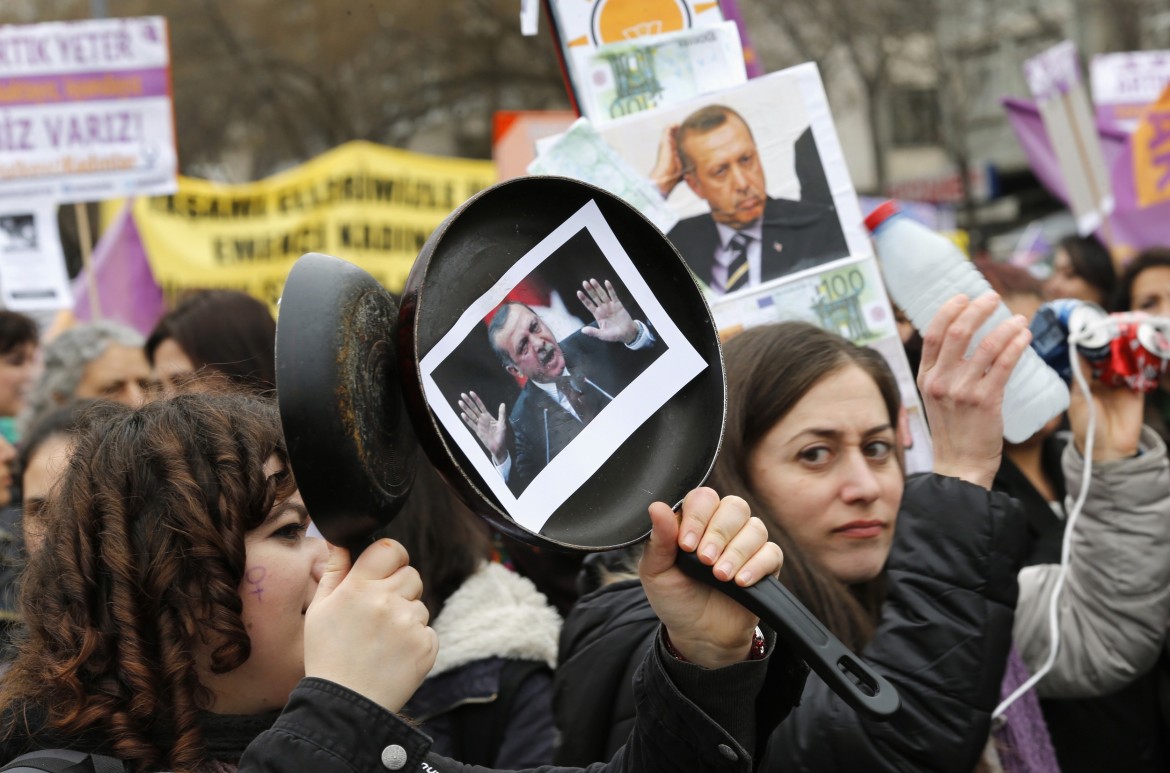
1139, 354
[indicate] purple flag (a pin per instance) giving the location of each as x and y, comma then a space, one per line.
127, 292
751, 61
1132, 227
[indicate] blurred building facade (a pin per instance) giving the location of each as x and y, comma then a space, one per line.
941, 111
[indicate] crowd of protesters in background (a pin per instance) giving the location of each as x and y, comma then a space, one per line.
162, 512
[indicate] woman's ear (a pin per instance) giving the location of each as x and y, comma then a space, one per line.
905, 437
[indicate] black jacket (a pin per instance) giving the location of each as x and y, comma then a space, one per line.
541, 428
603, 640
493, 712
942, 641
689, 719
1045, 529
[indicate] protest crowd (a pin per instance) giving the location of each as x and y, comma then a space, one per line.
171, 601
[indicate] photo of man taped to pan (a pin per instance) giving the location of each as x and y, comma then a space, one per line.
555, 366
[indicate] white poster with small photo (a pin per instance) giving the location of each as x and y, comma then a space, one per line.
581, 395
32, 265
756, 176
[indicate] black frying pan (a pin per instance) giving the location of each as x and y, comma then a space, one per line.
326, 309
349, 441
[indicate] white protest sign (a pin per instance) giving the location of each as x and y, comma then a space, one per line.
1055, 81
32, 265
555, 471
1124, 85
86, 111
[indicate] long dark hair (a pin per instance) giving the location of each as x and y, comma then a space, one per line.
223, 330
1091, 262
16, 330
1156, 257
143, 558
769, 369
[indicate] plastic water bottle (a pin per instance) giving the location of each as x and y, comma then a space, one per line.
923, 270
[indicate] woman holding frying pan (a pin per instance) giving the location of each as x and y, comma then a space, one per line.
813, 443
179, 618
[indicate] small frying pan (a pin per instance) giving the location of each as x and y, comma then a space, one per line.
667, 455
349, 441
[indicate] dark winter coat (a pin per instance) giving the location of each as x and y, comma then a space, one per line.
690, 718
488, 697
494, 712
942, 641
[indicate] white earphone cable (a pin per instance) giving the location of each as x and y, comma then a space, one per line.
1073, 514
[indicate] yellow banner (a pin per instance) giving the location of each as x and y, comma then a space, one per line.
371, 205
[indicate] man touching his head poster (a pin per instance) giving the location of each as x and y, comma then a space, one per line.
747, 237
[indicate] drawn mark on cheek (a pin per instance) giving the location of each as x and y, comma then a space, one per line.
254, 577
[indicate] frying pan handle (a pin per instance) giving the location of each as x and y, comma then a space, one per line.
844, 673
355, 547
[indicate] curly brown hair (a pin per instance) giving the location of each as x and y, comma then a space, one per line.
143, 559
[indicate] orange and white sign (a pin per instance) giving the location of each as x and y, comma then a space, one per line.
591, 24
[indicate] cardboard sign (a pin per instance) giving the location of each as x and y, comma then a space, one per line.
1055, 81
777, 131
793, 180
86, 110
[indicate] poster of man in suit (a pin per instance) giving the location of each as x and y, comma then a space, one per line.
756, 176
544, 378
567, 383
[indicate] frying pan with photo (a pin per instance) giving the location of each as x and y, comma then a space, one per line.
351, 383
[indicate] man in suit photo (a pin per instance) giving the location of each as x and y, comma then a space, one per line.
747, 237
566, 382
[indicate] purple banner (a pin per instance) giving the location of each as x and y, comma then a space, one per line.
1131, 227
84, 87
127, 292
730, 9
